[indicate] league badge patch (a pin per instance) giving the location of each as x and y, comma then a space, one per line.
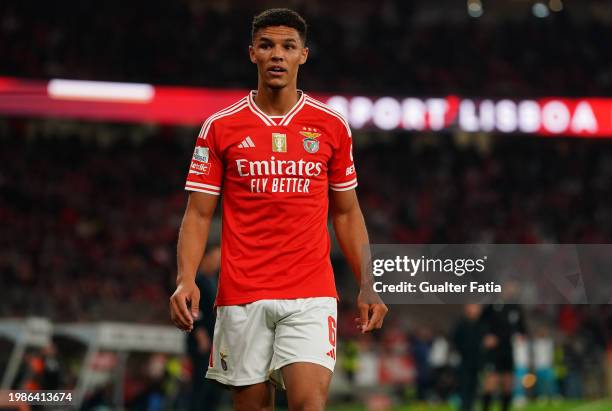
279, 143
201, 154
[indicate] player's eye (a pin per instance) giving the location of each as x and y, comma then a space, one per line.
289, 46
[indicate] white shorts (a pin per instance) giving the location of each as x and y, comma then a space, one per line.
252, 342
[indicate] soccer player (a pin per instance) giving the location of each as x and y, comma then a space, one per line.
468, 339
502, 323
281, 160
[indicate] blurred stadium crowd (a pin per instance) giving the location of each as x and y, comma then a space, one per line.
97, 225
395, 45
94, 215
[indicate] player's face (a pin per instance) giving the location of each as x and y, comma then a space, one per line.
278, 52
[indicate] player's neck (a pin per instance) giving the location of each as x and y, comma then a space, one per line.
276, 102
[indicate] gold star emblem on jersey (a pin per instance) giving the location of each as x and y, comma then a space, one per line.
279, 143
310, 132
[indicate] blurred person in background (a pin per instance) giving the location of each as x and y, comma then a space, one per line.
468, 338
522, 363
609, 370
502, 322
349, 361
40, 370
52, 377
397, 369
543, 347
440, 361
421, 350
369, 357
574, 351
205, 394
592, 328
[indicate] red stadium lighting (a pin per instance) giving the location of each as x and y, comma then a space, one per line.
129, 102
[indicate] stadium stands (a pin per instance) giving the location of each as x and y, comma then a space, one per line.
93, 215
395, 45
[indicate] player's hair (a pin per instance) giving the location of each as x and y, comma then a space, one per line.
279, 17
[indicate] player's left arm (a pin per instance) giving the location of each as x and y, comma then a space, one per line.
352, 236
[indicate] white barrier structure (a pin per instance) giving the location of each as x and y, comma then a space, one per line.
121, 338
23, 333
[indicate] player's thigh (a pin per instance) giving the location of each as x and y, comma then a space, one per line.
242, 345
256, 397
305, 351
306, 333
307, 385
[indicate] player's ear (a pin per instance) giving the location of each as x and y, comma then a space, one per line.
252, 54
304, 55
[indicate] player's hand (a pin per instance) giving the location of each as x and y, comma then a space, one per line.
181, 316
371, 314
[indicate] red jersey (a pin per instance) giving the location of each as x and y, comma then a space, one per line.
274, 174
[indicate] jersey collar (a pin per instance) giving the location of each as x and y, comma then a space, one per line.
284, 120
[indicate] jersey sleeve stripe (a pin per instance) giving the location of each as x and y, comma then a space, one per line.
201, 190
339, 185
343, 188
224, 113
201, 134
324, 107
231, 107
207, 186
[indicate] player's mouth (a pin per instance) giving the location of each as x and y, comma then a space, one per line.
276, 71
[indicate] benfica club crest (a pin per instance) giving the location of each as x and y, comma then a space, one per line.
311, 144
223, 362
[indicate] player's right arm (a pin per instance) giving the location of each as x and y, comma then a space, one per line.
191, 244
204, 184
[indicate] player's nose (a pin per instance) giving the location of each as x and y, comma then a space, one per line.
277, 53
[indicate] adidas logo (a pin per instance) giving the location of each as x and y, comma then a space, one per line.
332, 353
246, 143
